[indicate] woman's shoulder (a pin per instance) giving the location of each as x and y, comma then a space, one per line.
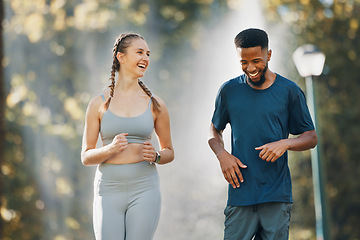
161, 102
98, 100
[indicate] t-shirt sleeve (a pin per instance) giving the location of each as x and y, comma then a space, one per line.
300, 120
220, 117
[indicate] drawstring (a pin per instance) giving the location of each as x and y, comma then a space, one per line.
255, 208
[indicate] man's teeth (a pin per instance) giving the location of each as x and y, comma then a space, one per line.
142, 65
254, 74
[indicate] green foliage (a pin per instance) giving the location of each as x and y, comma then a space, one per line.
334, 27
49, 48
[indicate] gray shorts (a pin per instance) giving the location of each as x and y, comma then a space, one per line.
126, 201
266, 221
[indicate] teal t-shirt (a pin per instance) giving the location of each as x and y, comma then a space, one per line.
258, 117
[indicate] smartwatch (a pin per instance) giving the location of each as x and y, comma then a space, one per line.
158, 157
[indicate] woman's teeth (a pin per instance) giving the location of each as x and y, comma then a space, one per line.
142, 65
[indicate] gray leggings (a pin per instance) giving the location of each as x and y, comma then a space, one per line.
126, 201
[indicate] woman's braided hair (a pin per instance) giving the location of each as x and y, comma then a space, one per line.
122, 42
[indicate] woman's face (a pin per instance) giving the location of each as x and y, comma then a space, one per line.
136, 59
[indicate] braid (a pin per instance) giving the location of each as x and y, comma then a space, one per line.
120, 45
111, 86
148, 92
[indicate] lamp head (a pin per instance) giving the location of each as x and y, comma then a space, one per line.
309, 60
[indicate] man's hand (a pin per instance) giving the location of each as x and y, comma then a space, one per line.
230, 166
272, 151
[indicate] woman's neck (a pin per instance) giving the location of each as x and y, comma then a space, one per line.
127, 84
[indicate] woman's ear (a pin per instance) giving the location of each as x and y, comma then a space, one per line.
119, 57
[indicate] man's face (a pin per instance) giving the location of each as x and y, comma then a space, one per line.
254, 63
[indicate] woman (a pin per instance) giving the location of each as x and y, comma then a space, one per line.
126, 190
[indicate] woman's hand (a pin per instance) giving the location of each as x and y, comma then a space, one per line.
149, 153
119, 143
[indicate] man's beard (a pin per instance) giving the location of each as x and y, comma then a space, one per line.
262, 78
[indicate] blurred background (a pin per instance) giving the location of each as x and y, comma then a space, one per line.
57, 54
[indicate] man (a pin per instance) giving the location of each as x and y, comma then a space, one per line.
263, 108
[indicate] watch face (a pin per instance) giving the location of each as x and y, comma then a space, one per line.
158, 157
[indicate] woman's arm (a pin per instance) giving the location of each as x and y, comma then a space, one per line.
163, 132
90, 155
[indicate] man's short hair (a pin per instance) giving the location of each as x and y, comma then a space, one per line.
252, 37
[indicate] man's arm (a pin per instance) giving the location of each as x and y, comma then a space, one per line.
230, 165
272, 151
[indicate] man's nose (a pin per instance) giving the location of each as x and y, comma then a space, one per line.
251, 67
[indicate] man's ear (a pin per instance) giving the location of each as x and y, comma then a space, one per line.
269, 55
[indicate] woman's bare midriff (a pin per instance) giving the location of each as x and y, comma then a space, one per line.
132, 154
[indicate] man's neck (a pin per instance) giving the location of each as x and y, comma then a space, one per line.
269, 80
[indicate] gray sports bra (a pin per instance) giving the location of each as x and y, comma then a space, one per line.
139, 128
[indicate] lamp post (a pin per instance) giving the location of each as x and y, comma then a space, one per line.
309, 61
